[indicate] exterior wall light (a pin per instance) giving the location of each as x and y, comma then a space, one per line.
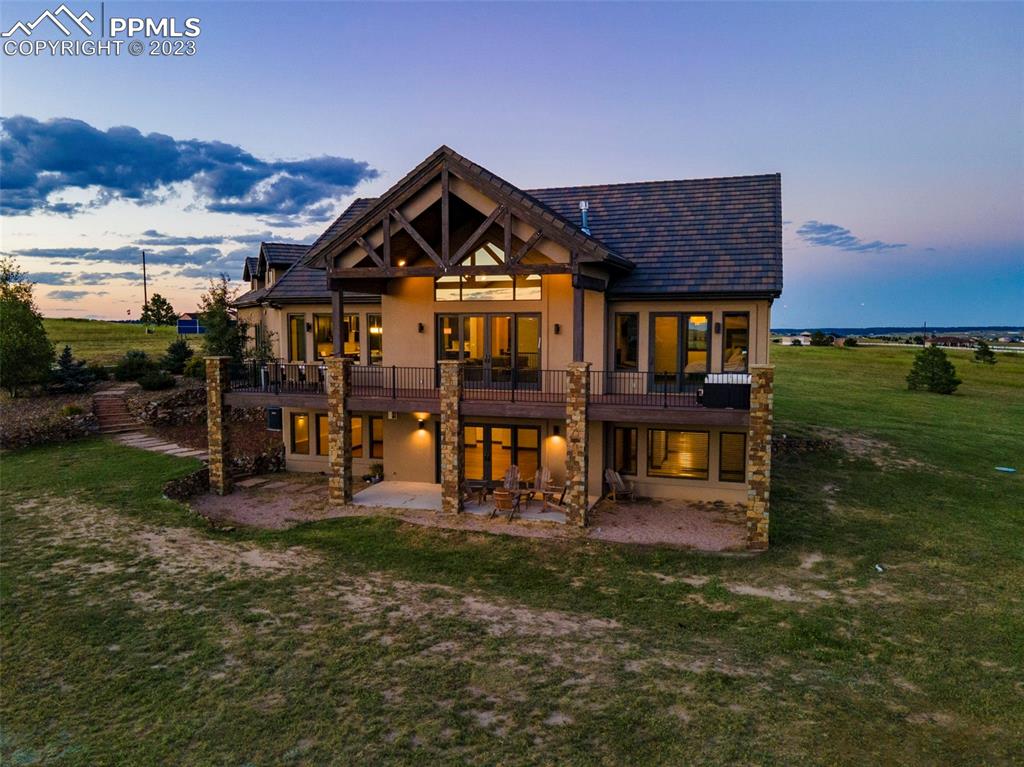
419, 327
422, 424
557, 431
558, 329
718, 328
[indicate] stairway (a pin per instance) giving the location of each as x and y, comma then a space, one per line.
112, 413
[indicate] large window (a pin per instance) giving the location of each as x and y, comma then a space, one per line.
487, 287
678, 348
732, 457
735, 342
322, 435
624, 459
375, 339
677, 454
376, 437
296, 337
490, 450
493, 346
627, 341
300, 433
323, 336
357, 436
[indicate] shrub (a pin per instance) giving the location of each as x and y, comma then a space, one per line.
984, 354
820, 339
71, 375
70, 410
850, 341
797, 342
155, 380
933, 371
377, 470
177, 356
133, 365
195, 368
99, 372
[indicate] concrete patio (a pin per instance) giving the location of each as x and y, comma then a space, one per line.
427, 496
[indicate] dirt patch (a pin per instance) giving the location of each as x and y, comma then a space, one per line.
681, 524
885, 456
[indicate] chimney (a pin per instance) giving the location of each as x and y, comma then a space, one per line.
585, 224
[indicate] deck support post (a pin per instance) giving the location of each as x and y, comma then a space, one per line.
339, 430
217, 385
337, 318
577, 444
759, 454
453, 454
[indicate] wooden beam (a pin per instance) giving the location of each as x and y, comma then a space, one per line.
527, 246
577, 324
375, 273
337, 315
480, 230
370, 251
385, 225
417, 237
446, 248
507, 250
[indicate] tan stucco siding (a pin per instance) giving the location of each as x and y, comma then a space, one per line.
319, 463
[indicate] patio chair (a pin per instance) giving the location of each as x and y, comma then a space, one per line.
553, 497
511, 479
541, 479
504, 503
617, 488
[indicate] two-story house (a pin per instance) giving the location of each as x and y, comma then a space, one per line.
457, 325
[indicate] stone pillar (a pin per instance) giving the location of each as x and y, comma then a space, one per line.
759, 454
453, 455
217, 383
339, 431
577, 444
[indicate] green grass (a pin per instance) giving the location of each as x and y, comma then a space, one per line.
106, 342
133, 636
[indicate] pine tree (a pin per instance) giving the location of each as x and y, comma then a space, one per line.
984, 354
933, 371
158, 311
71, 375
176, 357
225, 336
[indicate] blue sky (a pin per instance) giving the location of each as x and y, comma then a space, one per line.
898, 130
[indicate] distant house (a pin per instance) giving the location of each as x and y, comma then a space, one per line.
189, 325
956, 342
804, 339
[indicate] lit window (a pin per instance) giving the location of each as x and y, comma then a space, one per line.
625, 450
375, 341
357, 436
696, 344
627, 341
300, 433
323, 335
322, 434
732, 457
735, 342
296, 338
376, 438
677, 454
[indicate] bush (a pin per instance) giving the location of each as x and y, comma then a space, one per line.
177, 356
133, 366
156, 380
933, 371
984, 354
850, 341
71, 376
820, 339
195, 368
99, 372
797, 342
70, 410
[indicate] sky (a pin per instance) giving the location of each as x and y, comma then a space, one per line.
898, 130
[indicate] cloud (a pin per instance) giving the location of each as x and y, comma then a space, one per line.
82, 278
69, 295
834, 236
43, 159
153, 237
127, 254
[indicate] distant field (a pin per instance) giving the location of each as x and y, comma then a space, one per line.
98, 341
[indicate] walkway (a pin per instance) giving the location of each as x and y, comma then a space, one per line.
144, 441
112, 412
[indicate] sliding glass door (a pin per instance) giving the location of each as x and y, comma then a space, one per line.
490, 450
678, 350
498, 349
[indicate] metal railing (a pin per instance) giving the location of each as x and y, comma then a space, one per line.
645, 389
514, 385
279, 377
394, 382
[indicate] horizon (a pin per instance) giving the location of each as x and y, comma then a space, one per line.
898, 210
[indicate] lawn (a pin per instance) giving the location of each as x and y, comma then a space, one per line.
133, 635
106, 342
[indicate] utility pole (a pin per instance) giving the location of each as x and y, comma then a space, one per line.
145, 292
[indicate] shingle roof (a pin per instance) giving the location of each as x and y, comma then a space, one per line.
251, 269
350, 214
713, 235
283, 253
251, 298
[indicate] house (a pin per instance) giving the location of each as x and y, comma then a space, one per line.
190, 323
457, 325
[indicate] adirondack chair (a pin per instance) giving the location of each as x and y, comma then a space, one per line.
504, 503
617, 488
553, 497
541, 479
511, 479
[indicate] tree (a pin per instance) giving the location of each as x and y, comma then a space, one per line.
176, 357
71, 376
261, 346
158, 311
225, 336
851, 341
26, 354
984, 354
933, 371
820, 339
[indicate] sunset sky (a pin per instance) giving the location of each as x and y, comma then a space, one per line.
898, 130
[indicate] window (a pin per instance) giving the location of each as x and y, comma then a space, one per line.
375, 340
357, 436
323, 336
679, 347
492, 345
677, 454
624, 460
696, 344
735, 342
322, 435
350, 337
488, 287
732, 457
258, 333
627, 340
300, 433
376, 437
296, 337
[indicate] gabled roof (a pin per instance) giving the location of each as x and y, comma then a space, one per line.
711, 235
282, 253
590, 247
251, 269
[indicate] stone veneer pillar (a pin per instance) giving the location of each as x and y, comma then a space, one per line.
759, 454
453, 455
577, 440
217, 382
339, 431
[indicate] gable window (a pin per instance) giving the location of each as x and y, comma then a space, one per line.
627, 341
735, 342
375, 339
487, 287
732, 457
624, 459
300, 433
682, 454
296, 337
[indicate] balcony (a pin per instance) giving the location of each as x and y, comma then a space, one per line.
503, 391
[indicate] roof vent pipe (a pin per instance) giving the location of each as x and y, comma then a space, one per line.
584, 208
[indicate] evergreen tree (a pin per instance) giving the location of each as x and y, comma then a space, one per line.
158, 311
933, 371
225, 336
176, 357
26, 354
820, 339
984, 354
71, 376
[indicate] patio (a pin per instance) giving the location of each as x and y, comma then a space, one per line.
427, 496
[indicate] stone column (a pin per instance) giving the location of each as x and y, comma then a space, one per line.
453, 455
577, 444
339, 431
759, 454
217, 383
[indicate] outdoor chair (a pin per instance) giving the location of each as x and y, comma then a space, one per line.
511, 480
504, 503
553, 497
541, 479
617, 487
